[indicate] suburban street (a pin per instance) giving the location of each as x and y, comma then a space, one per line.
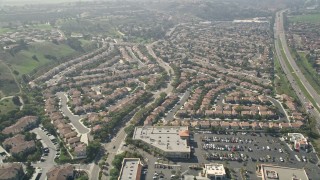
75, 119
170, 116
135, 58
280, 33
49, 160
280, 108
114, 146
164, 65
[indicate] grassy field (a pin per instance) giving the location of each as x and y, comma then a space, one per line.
4, 30
41, 26
309, 72
7, 84
36, 26
281, 82
307, 18
23, 62
86, 43
7, 105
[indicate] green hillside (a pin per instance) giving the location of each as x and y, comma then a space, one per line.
25, 61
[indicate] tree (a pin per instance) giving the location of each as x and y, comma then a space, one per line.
30, 136
29, 170
114, 172
16, 101
238, 109
15, 72
34, 57
75, 44
92, 150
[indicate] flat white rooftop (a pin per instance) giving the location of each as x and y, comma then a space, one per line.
215, 169
166, 138
131, 169
271, 172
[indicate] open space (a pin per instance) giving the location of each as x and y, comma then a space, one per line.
26, 61
8, 85
6, 105
309, 72
306, 18
282, 85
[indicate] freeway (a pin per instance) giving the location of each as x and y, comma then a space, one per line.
279, 33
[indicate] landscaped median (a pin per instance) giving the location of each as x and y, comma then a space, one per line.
281, 81
300, 84
312, 122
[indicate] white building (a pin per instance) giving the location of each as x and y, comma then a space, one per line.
271, 172
214, 171
300, 142
172, 141
131, 169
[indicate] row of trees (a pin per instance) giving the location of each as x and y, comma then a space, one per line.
120, 117
117, 163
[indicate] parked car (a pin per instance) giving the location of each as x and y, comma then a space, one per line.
281, 159
280, 150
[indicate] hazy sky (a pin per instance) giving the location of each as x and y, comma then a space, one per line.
16, 2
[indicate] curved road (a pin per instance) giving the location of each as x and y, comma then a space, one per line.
75, 119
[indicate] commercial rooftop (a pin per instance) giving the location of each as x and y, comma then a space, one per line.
296, 137
271, 172
166, 138
215, 169
131, 169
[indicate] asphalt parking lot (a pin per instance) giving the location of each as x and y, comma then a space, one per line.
239, 152
243, 151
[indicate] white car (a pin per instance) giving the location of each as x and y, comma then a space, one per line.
281, 159
280, 150
304, 159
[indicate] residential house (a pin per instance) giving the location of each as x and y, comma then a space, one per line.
225, 124
11, 171
234, 125
80, 151
21, 125
17, 145
204, 124
244, 125
63, 172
